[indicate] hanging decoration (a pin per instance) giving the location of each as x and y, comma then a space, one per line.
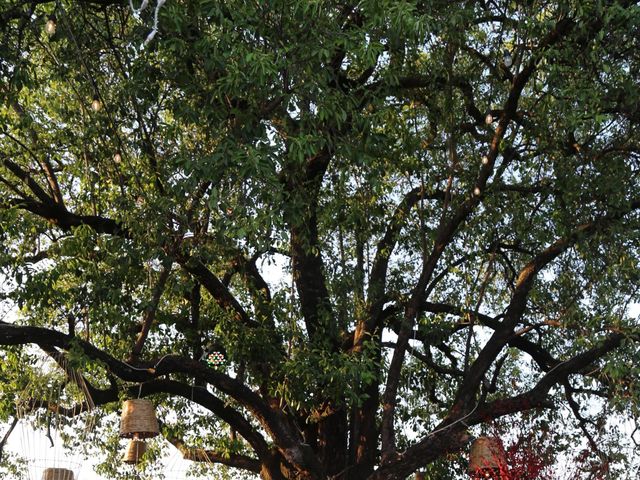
487, 459
213, 356
51, 25
135, 451
138, 419
57, 474
507, 58
215, 359
96, 103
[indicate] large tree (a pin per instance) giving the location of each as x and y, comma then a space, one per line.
402, 222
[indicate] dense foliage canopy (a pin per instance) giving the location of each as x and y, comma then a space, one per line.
404, 223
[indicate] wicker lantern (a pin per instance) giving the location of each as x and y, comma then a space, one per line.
135, 450
487, 458
57, 474
138, 419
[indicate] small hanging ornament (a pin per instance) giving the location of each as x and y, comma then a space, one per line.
488, 119
507, 58
215, 359
485, 160
51, 25
214, 355
96, 103
117, 157
57, 474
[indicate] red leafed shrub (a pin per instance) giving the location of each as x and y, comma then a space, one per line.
527, 462
528, 448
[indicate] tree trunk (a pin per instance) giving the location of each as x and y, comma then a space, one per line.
332, 441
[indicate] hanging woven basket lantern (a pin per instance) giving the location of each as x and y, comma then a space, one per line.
57, 474
138, 419
487, 459
135, 450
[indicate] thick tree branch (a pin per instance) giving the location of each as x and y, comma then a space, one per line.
537, 396
28, 180
218, 407
216, 288
209, 456
364, 428
450, 435
273, 420
66, 220
308, 266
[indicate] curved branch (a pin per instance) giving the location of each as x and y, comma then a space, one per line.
235, 460
273, 420
7, 434
451, 436
537, 396
216, 288
28, 180
197, 395
65, 219
221, 409
247, 266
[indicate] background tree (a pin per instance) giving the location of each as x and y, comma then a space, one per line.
402, 221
